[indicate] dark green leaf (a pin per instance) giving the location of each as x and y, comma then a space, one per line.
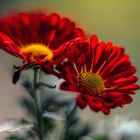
15, 137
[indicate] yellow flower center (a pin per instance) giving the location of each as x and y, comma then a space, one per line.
36, 53
90, 83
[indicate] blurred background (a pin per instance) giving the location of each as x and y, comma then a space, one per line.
112, 20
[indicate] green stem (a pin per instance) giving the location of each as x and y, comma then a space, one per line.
68, 123
39, 120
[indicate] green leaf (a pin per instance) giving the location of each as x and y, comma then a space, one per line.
74, 130
28, 86
48, 124
41, 84
54, 103
29, 106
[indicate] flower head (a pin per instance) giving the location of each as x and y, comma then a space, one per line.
103, 76
36, 37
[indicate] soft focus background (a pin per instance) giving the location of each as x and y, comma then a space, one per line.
112, 20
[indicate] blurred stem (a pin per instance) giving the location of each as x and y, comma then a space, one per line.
68, 123
39, 120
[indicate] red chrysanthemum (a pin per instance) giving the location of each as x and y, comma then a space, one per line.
103, 76
36, 37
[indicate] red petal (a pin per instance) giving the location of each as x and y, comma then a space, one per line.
99, 52
114, 94
122, 62
112, 82
127, 99
130, 92
126, 72
106, 111
95, 103
71, 50
3, 38
81, 101
52, 30
54, 19
93, 41
65, 29
51, 36
68, 87
125, 81
91, 55
108, 102
111, 60
79, 32
129, 87
16, 75
103, 60
8, 45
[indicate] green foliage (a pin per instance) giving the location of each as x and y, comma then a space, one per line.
38, 102
15, 137
29, 106
100, 137
74, 130
28, 86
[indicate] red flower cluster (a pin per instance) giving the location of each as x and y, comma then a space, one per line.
36, 38
100, 72
103, 76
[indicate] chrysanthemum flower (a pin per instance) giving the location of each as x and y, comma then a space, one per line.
36, 38
103, 76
